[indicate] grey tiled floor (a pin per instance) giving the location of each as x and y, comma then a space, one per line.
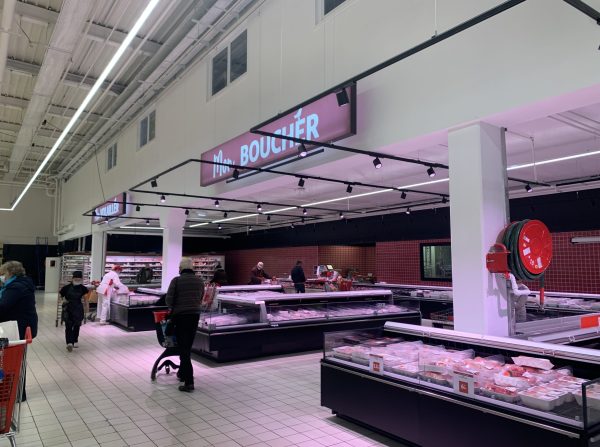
101, 394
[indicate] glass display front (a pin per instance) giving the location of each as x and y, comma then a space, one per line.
528, 383
134, 300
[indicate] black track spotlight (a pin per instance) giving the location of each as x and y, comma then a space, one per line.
292, 226
305, 211
302, 152
236, 174
220, 227
341, 215
94, 213
138, 208
250, 228
403, 195
44, 122
528, 187
407, 211
444, 199
268, 217
187, 212
377, 163
259, 208
301, 183
349, 189
217, 204
163, 199
147, 221
342, 97
430, 171
154, 183
302, 220
225, 215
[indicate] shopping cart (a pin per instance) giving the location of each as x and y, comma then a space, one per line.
14, 364
160, 321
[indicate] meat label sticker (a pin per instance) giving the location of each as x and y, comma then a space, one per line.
376, 364
464, 384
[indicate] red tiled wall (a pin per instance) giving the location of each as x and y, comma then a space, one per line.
278, 261
398, 262
574, 268
348, 256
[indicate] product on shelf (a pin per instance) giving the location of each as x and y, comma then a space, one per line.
73, 262
133, 264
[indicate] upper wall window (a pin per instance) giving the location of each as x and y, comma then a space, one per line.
230, 63
147, 128
330, 5
111, 157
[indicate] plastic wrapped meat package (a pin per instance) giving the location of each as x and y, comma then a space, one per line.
533, 362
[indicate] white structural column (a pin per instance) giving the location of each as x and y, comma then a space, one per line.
172, 221
98, 253
478, 212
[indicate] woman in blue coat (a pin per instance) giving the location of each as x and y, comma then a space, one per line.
17, 300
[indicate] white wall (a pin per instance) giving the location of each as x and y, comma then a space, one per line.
32, 218
541, 49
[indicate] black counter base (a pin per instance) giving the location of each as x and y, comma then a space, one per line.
427, 419
224, 346
134, 319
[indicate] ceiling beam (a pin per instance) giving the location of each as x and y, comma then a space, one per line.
74, 79
54, 110
96, 31
15, 127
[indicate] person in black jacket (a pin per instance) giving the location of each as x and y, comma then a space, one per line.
220, 276
72, 295
258, 274
298, 278
184, 297
17, 301
17, 298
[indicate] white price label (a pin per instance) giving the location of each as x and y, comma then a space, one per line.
376, 364
464, 384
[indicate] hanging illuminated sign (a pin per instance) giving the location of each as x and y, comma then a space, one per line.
321, 120
114, 207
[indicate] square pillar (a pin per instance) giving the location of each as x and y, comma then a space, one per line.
172, 222
98, 258
478, 213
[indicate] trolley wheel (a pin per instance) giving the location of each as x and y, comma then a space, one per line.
167, 369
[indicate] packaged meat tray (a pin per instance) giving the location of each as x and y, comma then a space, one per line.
541, 399
505, 394
436, 377
533, 362
406, 369
343, 352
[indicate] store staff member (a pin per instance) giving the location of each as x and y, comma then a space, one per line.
258, 275
299, 278
108, 286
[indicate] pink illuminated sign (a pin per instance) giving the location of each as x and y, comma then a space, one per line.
113, 207
321, 120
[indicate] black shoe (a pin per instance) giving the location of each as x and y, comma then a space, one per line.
186, 388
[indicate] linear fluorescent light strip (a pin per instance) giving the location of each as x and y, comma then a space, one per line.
552, 160
130, 36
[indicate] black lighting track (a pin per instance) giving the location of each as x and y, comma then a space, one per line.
351, 149
528, 182
183, 208
585, 8
315, 177
225, 199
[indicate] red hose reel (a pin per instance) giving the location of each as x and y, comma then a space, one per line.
525, 251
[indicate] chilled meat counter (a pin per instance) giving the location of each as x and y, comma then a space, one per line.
250, 324
134, 311
433, 387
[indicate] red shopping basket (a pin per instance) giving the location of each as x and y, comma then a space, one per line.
160, 316
14, 356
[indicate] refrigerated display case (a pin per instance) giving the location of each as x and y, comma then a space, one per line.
433, 387
247, 324
134, 311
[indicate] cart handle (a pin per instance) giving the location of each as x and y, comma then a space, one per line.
28, 337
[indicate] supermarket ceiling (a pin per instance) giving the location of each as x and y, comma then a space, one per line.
42, 86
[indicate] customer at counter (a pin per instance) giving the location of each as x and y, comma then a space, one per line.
220, 276
258, 274
299, 278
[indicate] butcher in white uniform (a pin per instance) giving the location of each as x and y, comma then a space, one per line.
108, 287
